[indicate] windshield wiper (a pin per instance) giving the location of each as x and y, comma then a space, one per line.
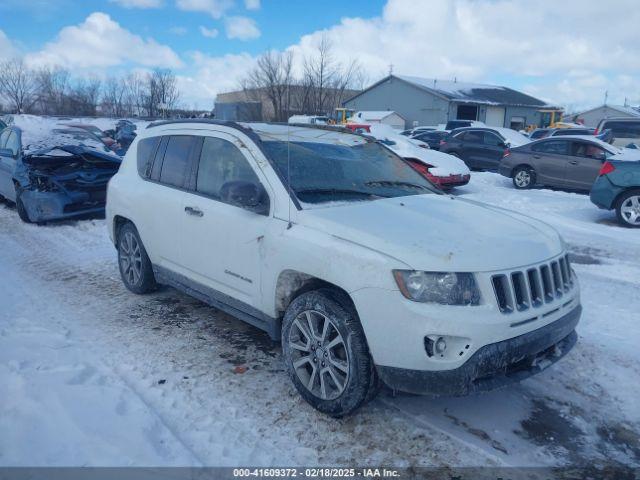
338, 191
394, 183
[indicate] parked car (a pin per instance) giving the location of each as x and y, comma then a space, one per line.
453, 124
625, 131
539, 133
416, 130
59, 174
106, 139
618, 187
481, 148
431, 138
444, 171
566, 162
312, 119
331, 243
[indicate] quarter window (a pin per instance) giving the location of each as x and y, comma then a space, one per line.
176, 160
221, 162
146, 152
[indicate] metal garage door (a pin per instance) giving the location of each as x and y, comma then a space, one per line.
495, 116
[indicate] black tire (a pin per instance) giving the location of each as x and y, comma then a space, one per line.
139, 277
22, 212
523, 177
622, 219
361, 383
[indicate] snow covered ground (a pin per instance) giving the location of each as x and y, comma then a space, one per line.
91, 374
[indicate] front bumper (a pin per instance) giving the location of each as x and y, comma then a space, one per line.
492, 366
44, 206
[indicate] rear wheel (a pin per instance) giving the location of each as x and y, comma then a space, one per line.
628, 209
524, 177
326, 354
135, 267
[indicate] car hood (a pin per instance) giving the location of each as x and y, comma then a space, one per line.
439, 232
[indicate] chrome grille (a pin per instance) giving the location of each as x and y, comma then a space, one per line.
534, 287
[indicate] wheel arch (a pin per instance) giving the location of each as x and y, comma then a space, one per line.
614, 203
527, 165
293, 283
118, 222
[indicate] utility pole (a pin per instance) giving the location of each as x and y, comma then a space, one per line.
606, 95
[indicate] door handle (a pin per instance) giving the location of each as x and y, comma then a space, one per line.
536, 156
196, 212
573, 162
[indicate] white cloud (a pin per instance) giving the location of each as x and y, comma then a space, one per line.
176, 30
215, 8
209, 32
213, 75
252, 4
100, 42
138, 3
7, 48
494, 40
241, 28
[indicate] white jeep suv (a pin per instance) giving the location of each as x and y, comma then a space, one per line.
332, 243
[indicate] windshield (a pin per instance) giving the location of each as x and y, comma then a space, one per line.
325, 172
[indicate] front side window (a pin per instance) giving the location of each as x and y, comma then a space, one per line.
176, 160
559, 147
323, 172
474, 137
588, 150
221, 162
13, 143
4, 136
492, 139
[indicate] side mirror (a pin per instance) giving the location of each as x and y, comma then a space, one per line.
6, 152
248, 195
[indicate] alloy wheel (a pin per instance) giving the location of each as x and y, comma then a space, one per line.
130, 258
522, 179
319, 355
630, 210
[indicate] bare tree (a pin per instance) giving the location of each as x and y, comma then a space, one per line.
17, 85
325, 80
83, 97
273, 78
162, 92
52, 85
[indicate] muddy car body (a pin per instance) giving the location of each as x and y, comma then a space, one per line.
56, 175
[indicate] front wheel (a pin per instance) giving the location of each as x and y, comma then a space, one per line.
523, 178
628, 209
326, 354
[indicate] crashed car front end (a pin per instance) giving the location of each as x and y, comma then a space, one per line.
65, 182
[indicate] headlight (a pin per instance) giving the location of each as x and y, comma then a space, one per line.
445, 288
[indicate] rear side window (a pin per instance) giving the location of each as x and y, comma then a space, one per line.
622, 129
146, 153
221, 162
557, 147
176, 160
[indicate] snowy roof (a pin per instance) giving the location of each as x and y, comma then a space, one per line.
633, 111
468, 92
284, 132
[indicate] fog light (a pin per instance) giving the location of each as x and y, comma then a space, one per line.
441, 345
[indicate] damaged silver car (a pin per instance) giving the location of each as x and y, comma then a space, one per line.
55, 174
